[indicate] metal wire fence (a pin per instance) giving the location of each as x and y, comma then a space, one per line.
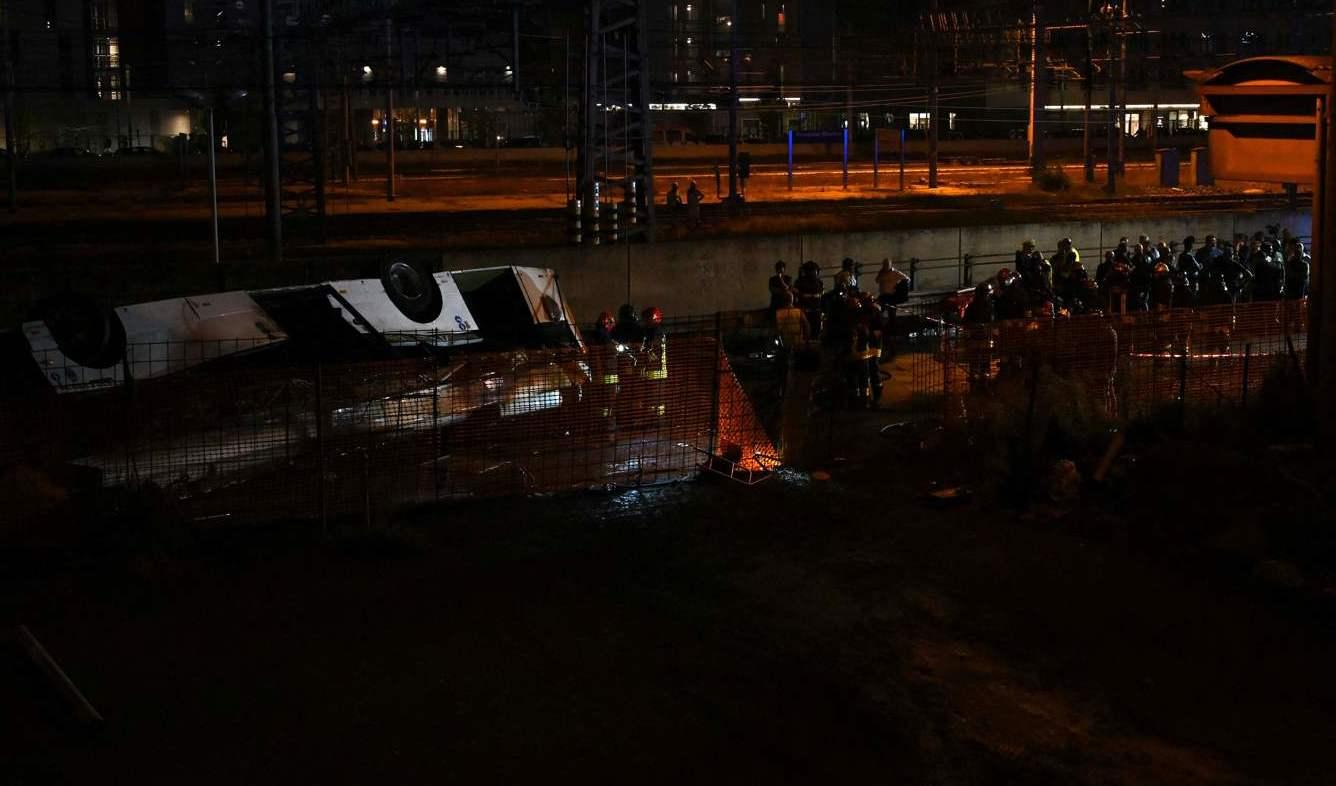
1134, 363
261, 436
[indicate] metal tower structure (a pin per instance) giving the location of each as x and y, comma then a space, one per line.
614, 157
300, 50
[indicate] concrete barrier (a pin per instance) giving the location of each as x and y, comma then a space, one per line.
729, 274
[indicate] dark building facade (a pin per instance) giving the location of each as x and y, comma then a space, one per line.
106, 74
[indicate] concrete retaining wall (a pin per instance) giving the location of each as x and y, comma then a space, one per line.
728, 274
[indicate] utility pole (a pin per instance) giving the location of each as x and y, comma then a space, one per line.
1036, 90
349, 149
389, 110
933, 76
1087, 155
1321, 314
273, 210
1318, 376
13, 162
1111, 182
733, 104
515, 48
1122, 87
213, 197
591, 117
566, 136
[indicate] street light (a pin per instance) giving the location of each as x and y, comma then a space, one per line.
201, 101
1110, 15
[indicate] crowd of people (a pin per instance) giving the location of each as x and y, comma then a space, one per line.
851, 325
1147, 276
847, 325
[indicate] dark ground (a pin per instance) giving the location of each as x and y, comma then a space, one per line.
808, 631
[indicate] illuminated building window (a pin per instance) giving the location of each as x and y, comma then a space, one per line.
107, 67
781, 18
919, 121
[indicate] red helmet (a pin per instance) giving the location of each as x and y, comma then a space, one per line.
652, 316
606, 320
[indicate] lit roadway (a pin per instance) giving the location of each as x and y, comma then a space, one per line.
490, 198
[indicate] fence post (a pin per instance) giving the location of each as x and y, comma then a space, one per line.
1183, 387
1029, 420
1247, 362
845, 158
435, 430
790, 159
714, 395
320, 443
960, 257
876, 160
902, 159
130, 415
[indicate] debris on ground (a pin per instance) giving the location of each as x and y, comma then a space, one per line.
949, 495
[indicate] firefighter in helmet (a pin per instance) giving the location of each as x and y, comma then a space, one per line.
603, 355
654, 343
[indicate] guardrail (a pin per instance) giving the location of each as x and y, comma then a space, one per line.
1133, 364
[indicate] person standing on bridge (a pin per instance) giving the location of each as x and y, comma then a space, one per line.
1141, 277
1063, 266
1208, 253
1036, 273
1063, 260
1189, 274
1123, 253
1229, 279
1298, 266
1113, 279
674, 200
847, 265
979, 316
892, 290
694, 197
1161, 287
1147, 249
781, 287
809, 290
1268, 272
892, 285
